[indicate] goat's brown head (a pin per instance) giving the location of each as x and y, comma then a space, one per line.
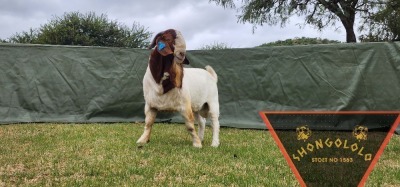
169, 42
167, 58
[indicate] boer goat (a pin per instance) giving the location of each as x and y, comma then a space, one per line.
167, 86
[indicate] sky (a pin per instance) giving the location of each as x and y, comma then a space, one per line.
201, 22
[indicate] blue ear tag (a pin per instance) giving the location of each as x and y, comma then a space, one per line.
160, 45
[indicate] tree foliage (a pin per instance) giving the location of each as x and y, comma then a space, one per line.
30, 36
88, 29
215, 46
319, 13
300, 41
383, 25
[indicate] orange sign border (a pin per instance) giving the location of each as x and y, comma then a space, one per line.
263, 115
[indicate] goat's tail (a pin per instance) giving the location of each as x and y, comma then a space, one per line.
212, 72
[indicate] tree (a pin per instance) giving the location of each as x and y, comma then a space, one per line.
25, 37
300, 41
86, 30
383, 25
319, 13
215, 46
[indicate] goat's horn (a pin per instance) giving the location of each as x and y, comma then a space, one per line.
153, 43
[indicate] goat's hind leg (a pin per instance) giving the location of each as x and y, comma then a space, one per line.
202, 124
214, 114
150, 118
215, 129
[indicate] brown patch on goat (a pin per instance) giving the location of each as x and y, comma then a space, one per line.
178, 75
188, 115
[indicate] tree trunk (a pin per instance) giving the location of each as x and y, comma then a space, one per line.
348, 23
350, 35
346, 12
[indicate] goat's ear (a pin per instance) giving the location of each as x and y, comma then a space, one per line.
153, 43
186, 61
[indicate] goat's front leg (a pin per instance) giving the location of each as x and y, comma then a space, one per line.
150, 117
189, 122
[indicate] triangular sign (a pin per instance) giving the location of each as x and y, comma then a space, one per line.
331, 148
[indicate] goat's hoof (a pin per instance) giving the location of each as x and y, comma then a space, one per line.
197, 145
215, 144
142, 142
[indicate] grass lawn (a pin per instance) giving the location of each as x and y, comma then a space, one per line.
107, 155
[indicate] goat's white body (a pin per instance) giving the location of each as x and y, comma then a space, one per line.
199, 87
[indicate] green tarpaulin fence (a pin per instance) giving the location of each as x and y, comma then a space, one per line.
95, 84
